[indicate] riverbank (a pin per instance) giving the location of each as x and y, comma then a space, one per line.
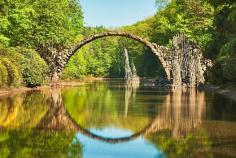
16, 90
51, 85
228, 90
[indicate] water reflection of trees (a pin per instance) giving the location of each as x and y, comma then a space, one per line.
58, 118
29, 143
22, 110
97, 106
19, 137
178, 128
182, 112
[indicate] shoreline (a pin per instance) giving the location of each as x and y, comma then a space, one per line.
16, 90
8, 91
52, 85
225, 90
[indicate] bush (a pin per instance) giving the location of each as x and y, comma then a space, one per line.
13, 55
24, 66
224, 70
13, 75
3, 75
229, 69
35, 72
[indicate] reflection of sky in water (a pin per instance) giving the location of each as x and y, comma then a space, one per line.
137, 148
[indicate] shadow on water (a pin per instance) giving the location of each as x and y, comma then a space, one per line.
139, 121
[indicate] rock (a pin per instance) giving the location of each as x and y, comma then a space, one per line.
187, 63
162, 82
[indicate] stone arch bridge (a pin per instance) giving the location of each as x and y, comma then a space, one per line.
183, 63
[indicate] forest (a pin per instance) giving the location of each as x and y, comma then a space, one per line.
32, 32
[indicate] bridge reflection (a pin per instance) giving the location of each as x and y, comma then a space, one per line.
181, 112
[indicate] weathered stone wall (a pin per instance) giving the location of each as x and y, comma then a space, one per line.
187, 63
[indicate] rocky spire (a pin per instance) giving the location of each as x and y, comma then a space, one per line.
128, 71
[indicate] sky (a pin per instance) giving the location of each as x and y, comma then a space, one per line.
115, 13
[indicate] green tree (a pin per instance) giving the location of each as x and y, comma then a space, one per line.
4, 23
192, 17
48, 26
222, 47
21, 66
95, 59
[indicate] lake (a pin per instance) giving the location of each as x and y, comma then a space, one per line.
108, 119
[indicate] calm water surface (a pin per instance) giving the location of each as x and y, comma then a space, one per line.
111, 120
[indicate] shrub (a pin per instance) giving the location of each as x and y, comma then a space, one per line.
224, 70
12, 72
24, 66
35, 71
13, 55
229, 69
3, 75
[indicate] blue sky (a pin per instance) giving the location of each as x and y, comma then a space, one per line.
114, 13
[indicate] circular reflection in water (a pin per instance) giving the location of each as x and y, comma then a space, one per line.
102, 105
111, 121
138, 148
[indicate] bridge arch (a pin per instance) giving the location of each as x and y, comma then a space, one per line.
86, 132
59, 118
157, 50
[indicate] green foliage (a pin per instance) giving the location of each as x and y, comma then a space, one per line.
147, 64
35, 71
229, 69
40, 24
190, 145
222, 48
93, 102
13, 74
95, 59
228, 48
52, 26
43, 23
3, 75
76, 68
23, 66
4, 40
192, 17
4, 23
224, 70
30, 143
